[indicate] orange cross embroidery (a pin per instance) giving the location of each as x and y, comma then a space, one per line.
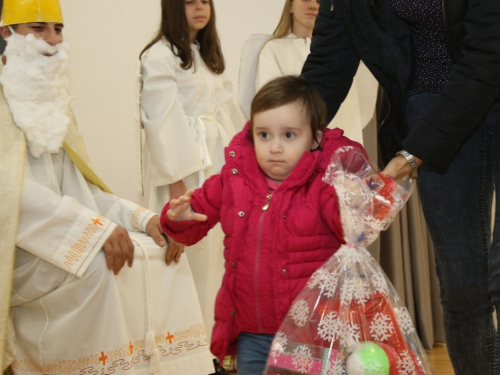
131, 347
97, 222
170, 337
103, 359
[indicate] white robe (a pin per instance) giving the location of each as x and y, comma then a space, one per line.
286, 56
189, 117
70, 313
280, 57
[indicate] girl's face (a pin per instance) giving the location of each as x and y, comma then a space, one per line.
281, 137
197, 16
304, 13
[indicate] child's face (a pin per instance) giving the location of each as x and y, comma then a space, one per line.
281, 136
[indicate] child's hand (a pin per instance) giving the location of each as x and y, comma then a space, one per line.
180, 209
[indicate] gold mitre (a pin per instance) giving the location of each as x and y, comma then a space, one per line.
25, 11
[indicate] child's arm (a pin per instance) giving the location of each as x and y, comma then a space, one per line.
188, 218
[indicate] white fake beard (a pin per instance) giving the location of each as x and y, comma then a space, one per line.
37, 90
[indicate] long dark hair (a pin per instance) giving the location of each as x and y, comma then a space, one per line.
174, 28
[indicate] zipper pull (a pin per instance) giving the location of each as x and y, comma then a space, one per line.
268, 200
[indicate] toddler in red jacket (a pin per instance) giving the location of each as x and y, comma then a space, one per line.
280, 220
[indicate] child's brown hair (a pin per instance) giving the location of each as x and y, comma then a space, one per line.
286, 90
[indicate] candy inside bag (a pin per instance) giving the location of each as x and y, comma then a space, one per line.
348, 319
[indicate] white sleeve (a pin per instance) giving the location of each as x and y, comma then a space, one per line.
121, 211
230, 110
60, 230
169, 140
268, 67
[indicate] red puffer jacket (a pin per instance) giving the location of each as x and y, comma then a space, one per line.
270, 254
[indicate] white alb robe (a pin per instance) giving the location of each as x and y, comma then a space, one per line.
71, 314
189, 117
287, 55
280, 57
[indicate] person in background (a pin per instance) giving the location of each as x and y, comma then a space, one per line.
286, 52
67, 303
189, 117
438, 64
289, 46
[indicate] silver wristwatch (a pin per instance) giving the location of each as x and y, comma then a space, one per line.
411, 160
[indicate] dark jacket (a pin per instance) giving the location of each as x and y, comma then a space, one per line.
271, 254
349, 30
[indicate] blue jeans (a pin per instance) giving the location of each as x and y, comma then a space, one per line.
251, 352
457, 209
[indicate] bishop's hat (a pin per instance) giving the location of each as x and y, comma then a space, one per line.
26, 11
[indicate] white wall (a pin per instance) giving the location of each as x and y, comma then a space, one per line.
106, 37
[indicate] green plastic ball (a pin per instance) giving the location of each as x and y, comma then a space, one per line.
368, 358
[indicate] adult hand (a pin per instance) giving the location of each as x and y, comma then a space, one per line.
155, 231
118, 249
174, 251
180, 209
398, 168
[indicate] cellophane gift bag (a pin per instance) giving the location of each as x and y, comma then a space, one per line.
349, 320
